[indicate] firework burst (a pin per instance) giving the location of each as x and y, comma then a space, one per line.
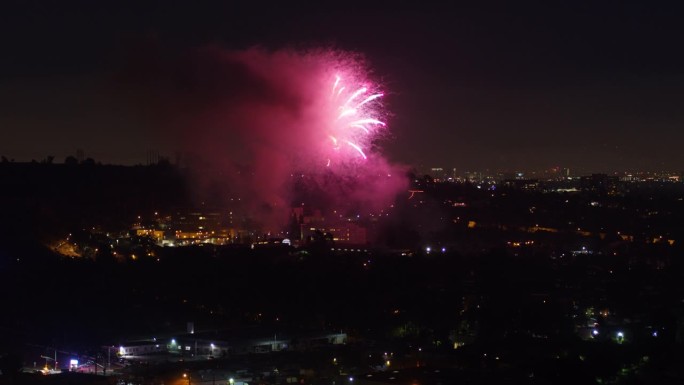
284, 126
354, 112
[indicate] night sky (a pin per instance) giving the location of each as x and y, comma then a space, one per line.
487, 85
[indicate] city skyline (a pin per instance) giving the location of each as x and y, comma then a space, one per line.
505, 87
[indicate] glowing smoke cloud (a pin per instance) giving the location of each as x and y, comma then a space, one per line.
288, 114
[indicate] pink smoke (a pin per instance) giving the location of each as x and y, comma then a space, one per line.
262, 122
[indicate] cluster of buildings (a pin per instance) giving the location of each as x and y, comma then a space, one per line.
440, 174
190, 227
553, 180
561, 181
218, 227
347, 231
203, 345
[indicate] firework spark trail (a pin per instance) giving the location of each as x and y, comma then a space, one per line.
368, 99
368, 121
357, 148
361, 127
356, 123
337, 81
347, 112
356, 94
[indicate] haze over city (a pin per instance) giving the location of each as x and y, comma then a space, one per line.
469, 86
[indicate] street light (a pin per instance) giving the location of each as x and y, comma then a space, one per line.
46, 369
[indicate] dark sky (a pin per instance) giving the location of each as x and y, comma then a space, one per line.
596, 85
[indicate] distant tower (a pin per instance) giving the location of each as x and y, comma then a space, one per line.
565, 172
80, 155
152, 157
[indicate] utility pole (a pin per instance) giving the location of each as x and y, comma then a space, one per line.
46, 361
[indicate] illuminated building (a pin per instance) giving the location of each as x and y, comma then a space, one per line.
522, 184
190, 227
600, 183
340, 231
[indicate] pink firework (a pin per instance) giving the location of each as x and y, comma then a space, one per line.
272, 124
354, 112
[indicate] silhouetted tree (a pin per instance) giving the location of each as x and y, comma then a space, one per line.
70, 160
10, 365
320, 242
